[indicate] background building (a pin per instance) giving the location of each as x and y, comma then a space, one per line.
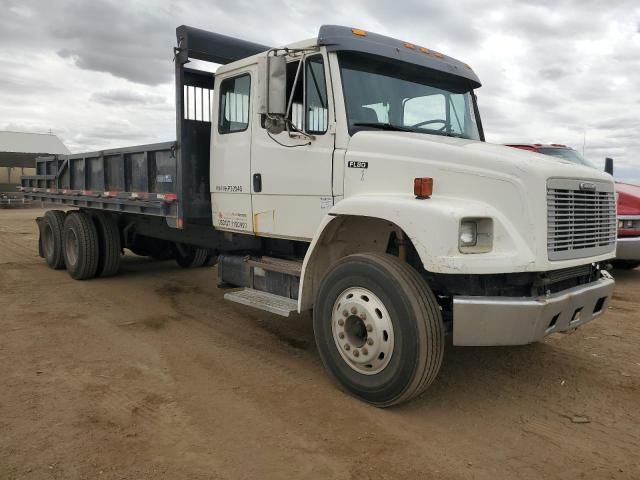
18, 151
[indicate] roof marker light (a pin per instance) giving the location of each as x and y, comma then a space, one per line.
358, 32
424, 50
438, 54
410, 45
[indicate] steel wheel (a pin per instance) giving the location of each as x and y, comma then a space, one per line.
362, 330
71, 246
48, 245
378, 328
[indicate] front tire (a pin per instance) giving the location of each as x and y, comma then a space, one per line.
378, 329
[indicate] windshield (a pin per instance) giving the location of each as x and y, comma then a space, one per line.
392, 95
566, 154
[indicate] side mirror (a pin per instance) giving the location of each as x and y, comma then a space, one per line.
272, 76
608, 165
272, 72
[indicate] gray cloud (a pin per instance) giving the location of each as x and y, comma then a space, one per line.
127, 97
552, 70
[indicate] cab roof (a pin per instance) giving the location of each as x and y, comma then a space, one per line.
339, 38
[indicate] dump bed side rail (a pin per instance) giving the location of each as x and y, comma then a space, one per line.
139, 179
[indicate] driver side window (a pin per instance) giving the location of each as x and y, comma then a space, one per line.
425, 109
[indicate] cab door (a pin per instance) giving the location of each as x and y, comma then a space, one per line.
291, 178
231, 150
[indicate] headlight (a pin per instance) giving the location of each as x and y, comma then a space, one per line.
475, 235
468, 234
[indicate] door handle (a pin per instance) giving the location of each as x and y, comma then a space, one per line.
257, 182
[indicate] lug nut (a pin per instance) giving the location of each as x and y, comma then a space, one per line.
363, 316
365, 351
370, 341
354, 310
341, 322
369, 328
356, 353
347, 347
345, 313
341, 335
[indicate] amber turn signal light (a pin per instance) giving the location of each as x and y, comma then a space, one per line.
423, 187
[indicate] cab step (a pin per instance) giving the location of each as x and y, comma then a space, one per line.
263, 301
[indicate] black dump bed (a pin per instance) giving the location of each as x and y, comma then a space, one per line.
169, 180
139, 179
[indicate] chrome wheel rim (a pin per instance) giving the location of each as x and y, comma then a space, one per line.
362, 330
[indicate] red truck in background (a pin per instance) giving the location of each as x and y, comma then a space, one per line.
628, 248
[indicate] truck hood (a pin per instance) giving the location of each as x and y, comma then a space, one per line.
483, 179
467, 156
628, 199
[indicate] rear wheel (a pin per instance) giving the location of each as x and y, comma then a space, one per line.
191, 257
212, 259
109, 244
378, 329
80, 245
51, 243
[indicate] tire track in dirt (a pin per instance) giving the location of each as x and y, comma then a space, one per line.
12, 249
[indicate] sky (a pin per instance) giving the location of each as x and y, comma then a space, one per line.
99, 73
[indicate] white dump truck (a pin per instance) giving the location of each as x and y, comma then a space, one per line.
345, 175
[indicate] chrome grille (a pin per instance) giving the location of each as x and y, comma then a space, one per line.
581, 223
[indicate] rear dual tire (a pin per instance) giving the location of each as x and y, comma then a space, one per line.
192, 257
109, 244
80, 246
50, 241
377, 303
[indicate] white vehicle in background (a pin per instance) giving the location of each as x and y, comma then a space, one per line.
346, 175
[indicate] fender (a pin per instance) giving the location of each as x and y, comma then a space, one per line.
432, 225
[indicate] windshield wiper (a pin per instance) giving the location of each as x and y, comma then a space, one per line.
383, 126
398, 128
451, 134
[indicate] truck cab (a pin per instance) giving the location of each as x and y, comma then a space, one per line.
347, 176
628, 203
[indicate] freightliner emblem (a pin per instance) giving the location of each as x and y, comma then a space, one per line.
588, 187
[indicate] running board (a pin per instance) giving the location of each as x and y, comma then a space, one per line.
263, 301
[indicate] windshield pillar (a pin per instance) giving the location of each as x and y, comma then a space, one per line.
476, 112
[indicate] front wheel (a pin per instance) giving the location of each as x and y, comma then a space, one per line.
378, 329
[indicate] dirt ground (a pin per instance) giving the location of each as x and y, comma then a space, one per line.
151, 375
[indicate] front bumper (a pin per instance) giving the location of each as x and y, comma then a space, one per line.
485, 321
628, 248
